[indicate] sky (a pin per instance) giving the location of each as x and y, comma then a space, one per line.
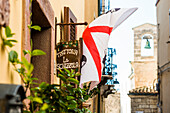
122, 40
122, 37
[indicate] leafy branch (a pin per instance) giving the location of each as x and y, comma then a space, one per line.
7, 40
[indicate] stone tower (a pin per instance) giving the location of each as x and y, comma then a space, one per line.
145, 55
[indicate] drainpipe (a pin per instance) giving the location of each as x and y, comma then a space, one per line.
98, 7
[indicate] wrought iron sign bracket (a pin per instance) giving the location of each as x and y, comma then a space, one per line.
62, 24
65, 24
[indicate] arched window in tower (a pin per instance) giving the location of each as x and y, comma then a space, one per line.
147, 45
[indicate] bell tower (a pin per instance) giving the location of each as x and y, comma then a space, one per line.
145, 55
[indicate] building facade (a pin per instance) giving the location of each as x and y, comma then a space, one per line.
44, 13
50, 15
145, 56
163, 21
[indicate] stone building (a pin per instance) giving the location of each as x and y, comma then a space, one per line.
145, 56
144, 77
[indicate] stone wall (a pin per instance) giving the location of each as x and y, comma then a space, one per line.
144, 104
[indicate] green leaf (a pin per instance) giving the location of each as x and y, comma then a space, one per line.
35, 83
31, 68
40, 112
19, 62
71, 106
82, 100
30, 98
34, 78
12, 40
13, 56
29, 26
25, 62
37, 99
7, 43
21, 70
68, 72
72, 71
8, 32
62, 72
62, 77
31, 44
77, 74
47, 101
44, 107
26, 52
26, 111
70, 88
37, 52
86, 97
79, 90
61, 103
43, 85
27, 65
73, 102
35, 27
73, 80
70, 97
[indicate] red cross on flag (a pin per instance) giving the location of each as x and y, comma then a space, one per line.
95, 42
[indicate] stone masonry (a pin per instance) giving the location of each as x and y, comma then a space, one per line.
144, 104
145, 67
144, 100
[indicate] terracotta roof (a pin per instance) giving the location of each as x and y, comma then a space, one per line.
143, 91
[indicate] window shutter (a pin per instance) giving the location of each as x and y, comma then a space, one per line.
70, 32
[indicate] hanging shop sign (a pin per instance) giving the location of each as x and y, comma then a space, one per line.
68, 55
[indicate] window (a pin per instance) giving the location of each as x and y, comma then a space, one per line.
43, 65
147, 45
72, 31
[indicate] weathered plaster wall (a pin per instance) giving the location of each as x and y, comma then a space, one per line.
7, 73
163, 7
84, 11
112, 103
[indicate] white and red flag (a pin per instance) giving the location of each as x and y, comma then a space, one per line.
95, 43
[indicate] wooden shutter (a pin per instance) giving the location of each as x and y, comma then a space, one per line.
70, 32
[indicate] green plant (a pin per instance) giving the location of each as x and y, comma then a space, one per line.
51, 98
7, 40
48, 98
26, 68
